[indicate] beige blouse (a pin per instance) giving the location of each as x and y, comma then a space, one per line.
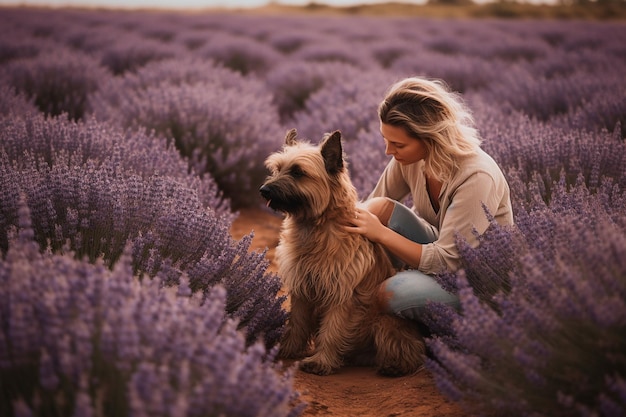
479, 180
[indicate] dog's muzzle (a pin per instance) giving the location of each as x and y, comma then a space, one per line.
277, 199
266, 193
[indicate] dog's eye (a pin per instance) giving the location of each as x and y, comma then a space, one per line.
296, 172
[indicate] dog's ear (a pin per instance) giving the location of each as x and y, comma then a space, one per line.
332, 152
290, 137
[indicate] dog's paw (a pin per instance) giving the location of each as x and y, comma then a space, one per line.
316, 368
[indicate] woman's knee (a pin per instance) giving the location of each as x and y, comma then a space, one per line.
382, 207
383, 297
408, 292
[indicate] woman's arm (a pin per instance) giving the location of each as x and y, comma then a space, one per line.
370, 226
463, 215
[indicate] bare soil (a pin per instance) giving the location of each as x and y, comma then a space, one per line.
352, 391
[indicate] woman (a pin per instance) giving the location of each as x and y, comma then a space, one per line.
438, 162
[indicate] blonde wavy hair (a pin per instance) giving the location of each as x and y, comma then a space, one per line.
428, 110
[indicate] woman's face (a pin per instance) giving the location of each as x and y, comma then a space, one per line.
404, 148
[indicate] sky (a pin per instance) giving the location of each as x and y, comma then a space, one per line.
185, 4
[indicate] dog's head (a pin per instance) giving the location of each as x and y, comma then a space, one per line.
304, 178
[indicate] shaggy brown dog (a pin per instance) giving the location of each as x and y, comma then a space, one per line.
332, 276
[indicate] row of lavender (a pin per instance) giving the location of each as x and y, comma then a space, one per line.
134, 300
220, 90
224, 87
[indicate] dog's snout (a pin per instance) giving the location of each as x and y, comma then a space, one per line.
265, 191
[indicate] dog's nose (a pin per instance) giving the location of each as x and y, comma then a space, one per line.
265, 191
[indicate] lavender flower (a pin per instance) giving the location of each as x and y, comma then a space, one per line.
293, 83
560, 318
54, 140
461, 72
97, 205
133, 52
542, 97
15, 47
222, 130
59, 82
240, 54
102, 341
604, 111
335, 52
289, 41
16, 104
350, 106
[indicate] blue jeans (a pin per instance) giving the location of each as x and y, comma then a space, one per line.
410, 290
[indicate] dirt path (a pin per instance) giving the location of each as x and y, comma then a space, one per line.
352, 391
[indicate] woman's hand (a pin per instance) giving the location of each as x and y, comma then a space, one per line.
366, 224
369, 225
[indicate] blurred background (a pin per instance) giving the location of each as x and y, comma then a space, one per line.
559, 9
230, 4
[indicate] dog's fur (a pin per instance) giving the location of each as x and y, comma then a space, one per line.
331, 275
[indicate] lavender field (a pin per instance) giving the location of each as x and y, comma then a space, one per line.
129, 141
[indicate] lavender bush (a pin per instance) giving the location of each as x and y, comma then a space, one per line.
350, 106
461, 72
553, 341
289, 41
603, 111
544, 98
536, 155
184, 95
82, 339
224, 124
132, 54
533, 298
293, 83
12, 47
240, 54
13, 103
59, 81
335, 52
53, 139
95, 191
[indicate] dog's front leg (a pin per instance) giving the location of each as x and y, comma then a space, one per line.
334, 339
299, 329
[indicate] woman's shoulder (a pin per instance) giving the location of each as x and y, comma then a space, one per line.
479, 162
